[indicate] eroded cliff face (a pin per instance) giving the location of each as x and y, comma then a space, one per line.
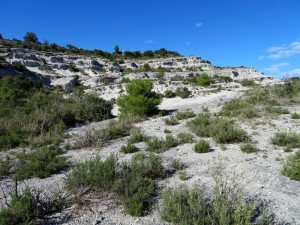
66, 69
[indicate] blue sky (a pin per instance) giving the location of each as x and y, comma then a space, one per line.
263, 34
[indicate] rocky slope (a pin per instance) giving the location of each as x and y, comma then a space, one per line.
64, 69
261, 170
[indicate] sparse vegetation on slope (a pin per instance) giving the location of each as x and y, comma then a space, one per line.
226, 205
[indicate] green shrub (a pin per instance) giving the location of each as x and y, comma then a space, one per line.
176, 164
248, 83
140, 99
160, 145
224, 131
221, 130
285, 138
226, 205
185, 115
31, 115
248, 148
295, 116
40, 163
183, 92
277, 110
239, 108
130, 148
172, 121
202, 147
169, 94
291, 167
204, 80
182, 175
137, 136
98, 138
200, 125
95, 173
185, 138
133, 183
27, 208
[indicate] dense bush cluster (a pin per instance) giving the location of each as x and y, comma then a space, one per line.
134, 182
32, 115
140, 99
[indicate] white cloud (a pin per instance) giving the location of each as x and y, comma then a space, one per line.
188, 43
150, 41
291, 73
199, 24
279, 52
275, 68
261, 57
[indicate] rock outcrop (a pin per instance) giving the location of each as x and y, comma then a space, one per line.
64, 69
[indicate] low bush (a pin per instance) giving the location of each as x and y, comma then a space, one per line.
169, 94
225, 205
182, 175
137, 136
172, 121
183, 92
98, 138
133, 183
286, 138
40, 163
224, 131
248, 148
29, 208
221, 130
204, 80
176, 164
202, 147
248, 83
129, 148
295, 116
185, 115
291, 166
159, 145
185, 138
239, 108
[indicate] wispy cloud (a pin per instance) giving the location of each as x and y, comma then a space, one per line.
284, 51
275, 68
291, 73
261, 57
149, 41
199, 24
188, 43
